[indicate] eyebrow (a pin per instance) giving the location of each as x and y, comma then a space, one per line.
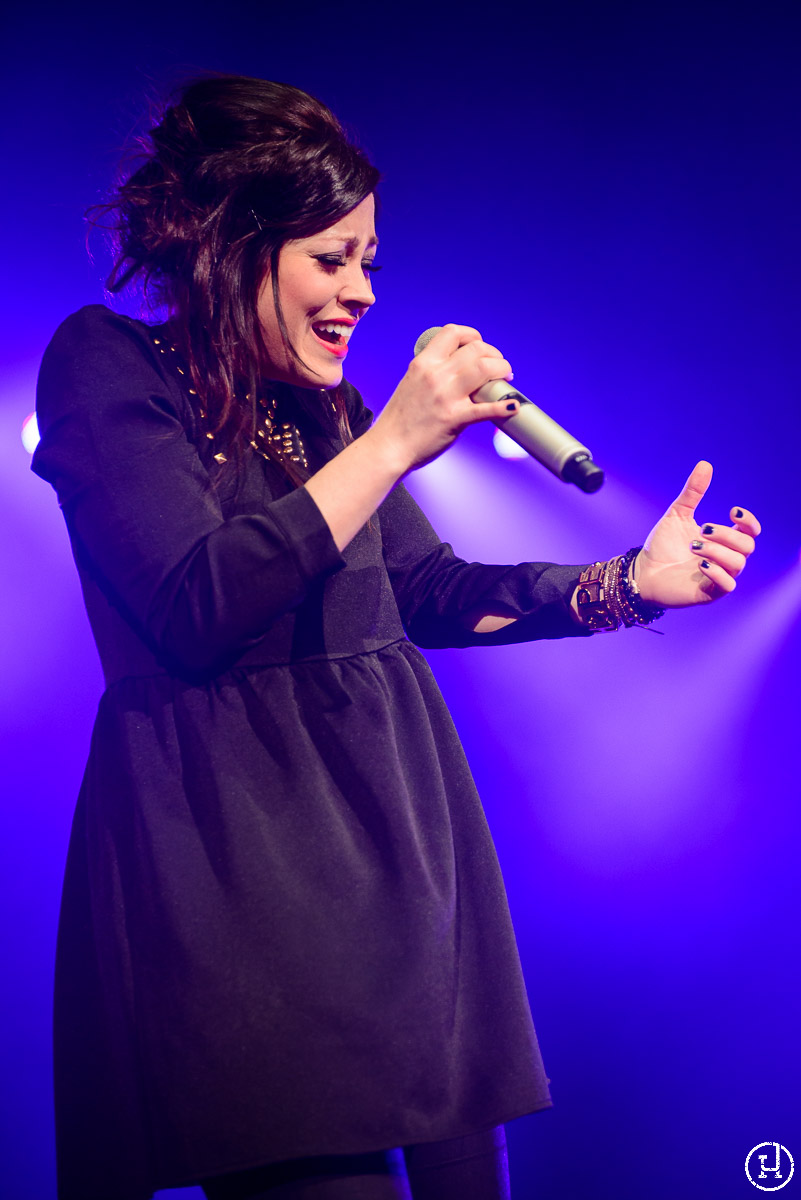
350, 242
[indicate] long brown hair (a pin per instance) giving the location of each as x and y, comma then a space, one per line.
234, 169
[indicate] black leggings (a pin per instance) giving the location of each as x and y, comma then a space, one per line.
465, 1168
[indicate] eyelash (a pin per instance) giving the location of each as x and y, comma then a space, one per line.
331, 260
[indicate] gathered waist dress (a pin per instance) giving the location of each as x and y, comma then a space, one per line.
284, 930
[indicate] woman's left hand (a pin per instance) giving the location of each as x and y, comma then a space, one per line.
683, 563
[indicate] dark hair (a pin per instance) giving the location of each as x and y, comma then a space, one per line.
235, 168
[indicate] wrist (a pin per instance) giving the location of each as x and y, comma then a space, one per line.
386, 453
608, 595
642, 580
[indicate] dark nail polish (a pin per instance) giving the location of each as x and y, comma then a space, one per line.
705, 564
511, 407
738, 512
708, 529
696, 545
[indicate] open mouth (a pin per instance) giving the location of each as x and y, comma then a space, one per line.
333, 333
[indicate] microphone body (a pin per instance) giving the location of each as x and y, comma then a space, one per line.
536, 432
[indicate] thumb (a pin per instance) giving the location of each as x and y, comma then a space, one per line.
695, 488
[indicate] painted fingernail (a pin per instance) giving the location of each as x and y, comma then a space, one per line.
738, 512
696, 545
511, 407
705, 564
708, 529
511, 376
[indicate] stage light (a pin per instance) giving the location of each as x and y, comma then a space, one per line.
30, 433
506, 447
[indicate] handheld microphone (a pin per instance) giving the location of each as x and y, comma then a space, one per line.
536, 432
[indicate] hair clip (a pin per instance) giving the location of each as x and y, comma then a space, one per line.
255, 217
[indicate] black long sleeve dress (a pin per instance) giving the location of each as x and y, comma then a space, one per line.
284, 930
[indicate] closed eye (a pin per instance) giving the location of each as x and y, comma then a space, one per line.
331, 261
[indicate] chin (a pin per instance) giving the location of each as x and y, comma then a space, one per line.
329, 379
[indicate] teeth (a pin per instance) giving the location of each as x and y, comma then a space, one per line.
341, 330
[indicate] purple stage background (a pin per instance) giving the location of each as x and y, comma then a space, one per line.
611, 193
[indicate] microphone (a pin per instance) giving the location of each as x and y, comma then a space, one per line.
536, 432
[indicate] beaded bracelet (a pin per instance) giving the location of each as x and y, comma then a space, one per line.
608, 595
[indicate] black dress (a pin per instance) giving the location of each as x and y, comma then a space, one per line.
284, 930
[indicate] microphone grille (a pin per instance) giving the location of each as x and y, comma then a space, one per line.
425, 338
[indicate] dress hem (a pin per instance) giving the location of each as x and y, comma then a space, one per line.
195, 1180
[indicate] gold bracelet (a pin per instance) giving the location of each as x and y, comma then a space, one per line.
592, 599
607, 596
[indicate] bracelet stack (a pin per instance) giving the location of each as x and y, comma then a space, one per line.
608, 596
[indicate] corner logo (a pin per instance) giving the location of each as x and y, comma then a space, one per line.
769, 1166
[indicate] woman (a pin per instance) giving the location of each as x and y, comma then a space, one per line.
285, 951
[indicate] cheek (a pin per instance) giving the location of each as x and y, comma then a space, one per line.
299, 303
304, 290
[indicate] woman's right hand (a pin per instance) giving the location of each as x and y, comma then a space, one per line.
427, 411
431, 405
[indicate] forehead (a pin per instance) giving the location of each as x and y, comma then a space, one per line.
356, 227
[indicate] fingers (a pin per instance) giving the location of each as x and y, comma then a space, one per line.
724, 547
722, 550
476, 364
718, 578
496, 410
745, 521
455, 365
433, 403
448, 339
695, 488
465, 352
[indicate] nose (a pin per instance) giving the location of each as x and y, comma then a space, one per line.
356, 292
